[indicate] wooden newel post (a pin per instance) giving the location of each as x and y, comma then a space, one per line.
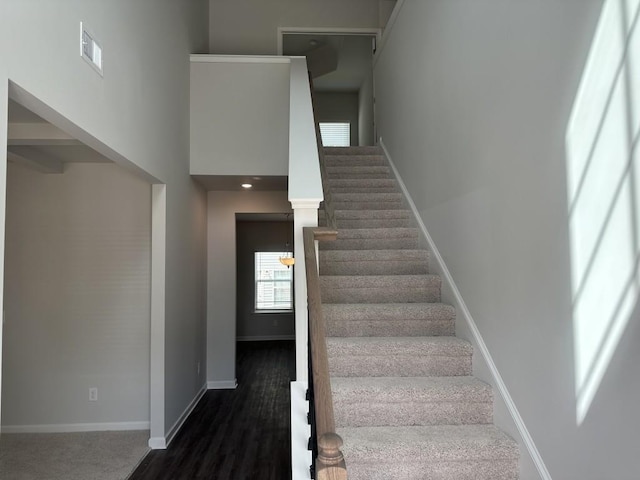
330, 464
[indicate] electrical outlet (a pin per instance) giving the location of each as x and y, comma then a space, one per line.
93, 394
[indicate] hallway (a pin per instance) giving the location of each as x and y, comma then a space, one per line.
235, 434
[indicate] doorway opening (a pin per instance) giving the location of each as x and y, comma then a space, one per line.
341, 67
76, 344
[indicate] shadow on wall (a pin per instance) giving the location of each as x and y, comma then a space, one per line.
603, 198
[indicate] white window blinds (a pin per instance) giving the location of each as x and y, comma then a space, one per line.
274, 282
335, 134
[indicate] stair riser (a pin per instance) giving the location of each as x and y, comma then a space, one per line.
399, 365
358, 175
374, 223
364, 184
379, 233
399, 328
493, 469
392, 205
354, 160
381, 295
372, 244
364, 150
365, 197
373, 268
377, 215
339, 190
352, 414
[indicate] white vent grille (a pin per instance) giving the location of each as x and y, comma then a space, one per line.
90, 49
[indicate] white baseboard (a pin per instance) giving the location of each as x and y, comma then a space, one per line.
76, 427
222, 385
461, 308
300, 432
187, 411
265, 338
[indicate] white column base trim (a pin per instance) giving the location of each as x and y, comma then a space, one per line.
76, 427
157, 443
223, 384
478, 341
300, 432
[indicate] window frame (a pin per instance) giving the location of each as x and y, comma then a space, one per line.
257, 281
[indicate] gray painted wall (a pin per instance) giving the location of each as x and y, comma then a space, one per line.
140, 109
338, 107
473, 102
254, 237
250, 27
77, 297
239, 118
221, 280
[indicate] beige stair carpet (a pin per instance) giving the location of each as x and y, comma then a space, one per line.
406, 403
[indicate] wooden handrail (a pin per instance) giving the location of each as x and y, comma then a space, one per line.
328, 205
330, 463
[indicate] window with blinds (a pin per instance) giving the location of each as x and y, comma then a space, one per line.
335, 134
274, 282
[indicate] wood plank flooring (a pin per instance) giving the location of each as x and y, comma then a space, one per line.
235, 434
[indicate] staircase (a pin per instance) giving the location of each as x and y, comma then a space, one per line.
405, 402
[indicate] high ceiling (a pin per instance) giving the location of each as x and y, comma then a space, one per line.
354, 55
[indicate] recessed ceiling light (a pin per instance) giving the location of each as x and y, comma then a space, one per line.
246, 185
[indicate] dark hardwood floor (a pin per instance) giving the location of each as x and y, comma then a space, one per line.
235, 434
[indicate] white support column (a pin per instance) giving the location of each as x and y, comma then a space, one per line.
157, 439
4, 95
305, 214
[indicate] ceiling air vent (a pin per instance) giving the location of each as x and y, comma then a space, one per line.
90, 49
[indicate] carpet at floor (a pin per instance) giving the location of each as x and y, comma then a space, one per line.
71, 456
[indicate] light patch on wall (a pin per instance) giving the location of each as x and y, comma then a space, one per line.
603, 197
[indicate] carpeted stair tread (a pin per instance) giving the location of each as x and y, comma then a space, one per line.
356, 219
350, 214
447, 346
396, 401
437, 452
380, 288
368, 205
357, 185
354, 160
398, 356
364, 150
392, 238
388, 319
366, 197
373, 262
358, 172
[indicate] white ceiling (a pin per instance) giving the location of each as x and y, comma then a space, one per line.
233, 183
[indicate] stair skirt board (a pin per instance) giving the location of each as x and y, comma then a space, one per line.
452, 295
